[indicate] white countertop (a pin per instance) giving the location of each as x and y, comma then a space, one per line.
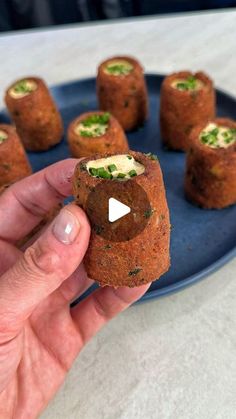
172, 358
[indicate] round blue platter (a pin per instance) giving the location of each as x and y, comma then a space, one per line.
201, 240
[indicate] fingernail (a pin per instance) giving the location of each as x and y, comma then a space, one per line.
66, 227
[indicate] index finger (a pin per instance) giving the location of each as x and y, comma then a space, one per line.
23, 205
101, 306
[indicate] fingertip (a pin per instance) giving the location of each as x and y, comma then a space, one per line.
79, 214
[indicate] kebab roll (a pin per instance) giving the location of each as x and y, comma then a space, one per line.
210, 179
121, 90
144, 257
187, 100
14, 164
96, 132
34, 113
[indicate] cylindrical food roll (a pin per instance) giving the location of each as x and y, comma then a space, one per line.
96, 132
121, 90
14, 164
142, 257
210, 179
34, 113
187, 100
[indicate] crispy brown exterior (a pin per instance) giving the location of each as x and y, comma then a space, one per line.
148, 251
124, 96
36, 117
210, 178
181, 111
14, 164
113, 141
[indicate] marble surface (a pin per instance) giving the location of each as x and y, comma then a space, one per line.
173, 358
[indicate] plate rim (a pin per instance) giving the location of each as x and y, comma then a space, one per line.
200, 275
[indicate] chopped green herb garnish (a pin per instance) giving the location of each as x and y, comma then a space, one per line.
107, 246
93, 171
102, 119
94, 125
215, 137
101, 172
2, 138
225, 134
120, 175
112, 168
215, 132
148, 213
228, 140
151, 156
134, 272
189, 84
129, 157
119, 69
181, 86
84, 133
22, 87
132, 173
99, 131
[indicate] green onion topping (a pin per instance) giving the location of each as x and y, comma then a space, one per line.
112, 168
119, 69
132, 173
148, 213
211, 138
120, 175
2, 138
22, 87
100, 172
189, 84
95, 125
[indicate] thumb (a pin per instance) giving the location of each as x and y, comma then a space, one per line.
43, 267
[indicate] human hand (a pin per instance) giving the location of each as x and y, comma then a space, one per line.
40, 335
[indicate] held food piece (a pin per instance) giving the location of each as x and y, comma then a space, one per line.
96, 132
34, 113
187, 100
121, 90
210, 179
14, 164
134, 249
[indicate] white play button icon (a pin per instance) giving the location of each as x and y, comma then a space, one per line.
116, 210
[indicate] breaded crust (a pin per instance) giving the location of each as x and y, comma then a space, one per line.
113, 141
14, 164
36, 117
181, 111
124, 96
145, 257
210, 178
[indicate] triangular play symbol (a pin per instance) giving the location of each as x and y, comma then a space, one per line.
116, 210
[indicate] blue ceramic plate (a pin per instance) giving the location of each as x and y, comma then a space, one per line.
201, 240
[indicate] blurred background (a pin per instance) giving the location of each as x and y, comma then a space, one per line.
24, 14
